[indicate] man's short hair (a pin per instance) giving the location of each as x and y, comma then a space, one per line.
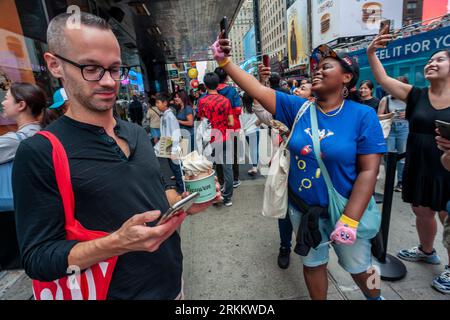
202, 87
223, 75
274, 80
162, 96
56, 37
211, 80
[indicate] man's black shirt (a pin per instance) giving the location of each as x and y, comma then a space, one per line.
109, 189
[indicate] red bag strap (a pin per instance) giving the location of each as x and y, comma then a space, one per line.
62, 174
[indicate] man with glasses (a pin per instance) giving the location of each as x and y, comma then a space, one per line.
115, 177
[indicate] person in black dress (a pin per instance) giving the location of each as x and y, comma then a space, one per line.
365, 91
426, 184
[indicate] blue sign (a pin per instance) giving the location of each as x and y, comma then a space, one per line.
249, 65
249, 43
136, 80
413, 47
173, 74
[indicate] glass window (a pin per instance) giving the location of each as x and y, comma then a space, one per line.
21, 48
411, 7
404, 71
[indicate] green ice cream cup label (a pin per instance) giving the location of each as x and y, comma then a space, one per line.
205, 186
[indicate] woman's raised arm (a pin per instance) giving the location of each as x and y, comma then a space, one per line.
394, 87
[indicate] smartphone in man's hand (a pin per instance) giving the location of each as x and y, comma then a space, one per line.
181, 206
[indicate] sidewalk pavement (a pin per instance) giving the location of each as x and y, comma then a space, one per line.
231, 253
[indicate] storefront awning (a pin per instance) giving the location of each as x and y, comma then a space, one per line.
180, 30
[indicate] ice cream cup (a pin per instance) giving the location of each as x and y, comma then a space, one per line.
206, 186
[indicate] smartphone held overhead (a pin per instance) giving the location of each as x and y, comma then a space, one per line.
266, 60
224, 28
385, 27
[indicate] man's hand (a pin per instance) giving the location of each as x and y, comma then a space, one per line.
442, 143
197, 208
264, 74
135, 235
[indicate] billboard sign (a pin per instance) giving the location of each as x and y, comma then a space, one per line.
249, 44
414, 47
435, 8
298, 45
325, 20
173, 74
250, 65
136, 80
347, 18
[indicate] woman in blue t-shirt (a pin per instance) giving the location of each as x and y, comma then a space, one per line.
352, 145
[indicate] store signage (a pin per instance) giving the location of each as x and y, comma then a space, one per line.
418, 46
298, 44
173, 74
334, 19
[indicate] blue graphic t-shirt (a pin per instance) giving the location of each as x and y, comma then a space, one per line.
354, 131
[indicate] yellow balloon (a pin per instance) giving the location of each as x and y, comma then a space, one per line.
193, 73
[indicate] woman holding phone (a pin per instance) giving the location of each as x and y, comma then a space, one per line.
426, 184
352, 144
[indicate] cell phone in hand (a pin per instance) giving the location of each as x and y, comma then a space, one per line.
181, 206
385, 27
444, 128
224, 28
266, 60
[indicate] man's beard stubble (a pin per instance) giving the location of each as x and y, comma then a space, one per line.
88, 103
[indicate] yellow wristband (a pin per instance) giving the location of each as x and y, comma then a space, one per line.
349, 221
224, 62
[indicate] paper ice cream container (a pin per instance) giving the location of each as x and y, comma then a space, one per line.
206, 186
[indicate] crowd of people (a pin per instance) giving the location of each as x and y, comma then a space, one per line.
78, 155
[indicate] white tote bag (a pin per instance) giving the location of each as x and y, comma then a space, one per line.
275, 203
386, 126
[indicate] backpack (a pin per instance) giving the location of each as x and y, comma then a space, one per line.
6, 193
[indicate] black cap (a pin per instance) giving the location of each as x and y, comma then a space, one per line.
347, 62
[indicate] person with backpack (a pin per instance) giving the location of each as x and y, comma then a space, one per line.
154, 118
24, 103
395, 109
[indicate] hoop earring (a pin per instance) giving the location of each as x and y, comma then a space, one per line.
345, 92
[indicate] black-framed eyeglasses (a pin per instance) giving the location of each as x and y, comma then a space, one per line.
93, 72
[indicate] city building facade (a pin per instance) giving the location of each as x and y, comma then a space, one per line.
412, 11
241, 26
273, 28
